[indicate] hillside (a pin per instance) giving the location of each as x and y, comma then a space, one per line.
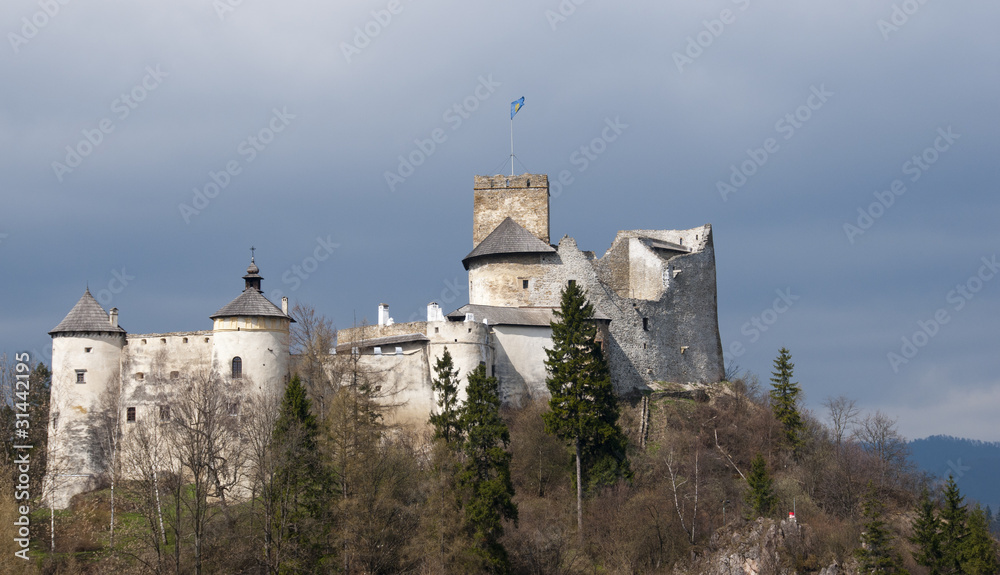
975, 465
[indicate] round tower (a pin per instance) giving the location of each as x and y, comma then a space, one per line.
86, 367
251, 337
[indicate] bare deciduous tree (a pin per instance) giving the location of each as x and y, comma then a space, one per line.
843, 412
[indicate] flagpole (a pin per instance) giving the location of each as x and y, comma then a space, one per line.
512, 145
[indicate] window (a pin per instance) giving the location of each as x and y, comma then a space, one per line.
163, 340
164, 413
645, 324
437, 330
143, 342
130, 414
378, 350
233, 409
524, 284
80, 375
55, 421
399, 350
185, 340
87, 349
139, 376
206, 340
237, 367
175, 374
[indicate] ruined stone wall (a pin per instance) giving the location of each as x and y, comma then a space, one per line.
524, 198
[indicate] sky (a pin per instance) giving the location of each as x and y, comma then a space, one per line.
844, 152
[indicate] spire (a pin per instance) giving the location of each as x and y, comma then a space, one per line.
253, 274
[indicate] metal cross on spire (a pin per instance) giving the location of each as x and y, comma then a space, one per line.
251, 253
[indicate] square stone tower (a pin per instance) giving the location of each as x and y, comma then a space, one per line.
524, 199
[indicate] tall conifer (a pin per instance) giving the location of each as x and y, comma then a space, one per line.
785, 398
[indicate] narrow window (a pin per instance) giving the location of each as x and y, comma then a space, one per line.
233, 409
139, 376
164, 413
645, 324
175, 374
237, 367
80, 375
55, 421
524, 284
130, 414
437, 330
185, 340
87, 349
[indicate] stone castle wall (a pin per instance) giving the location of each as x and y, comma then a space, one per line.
524, 198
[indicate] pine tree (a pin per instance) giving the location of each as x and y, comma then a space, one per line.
927, 535
486, 472
876, 554
583, 409
785, 398
979, 553
445, 422
953, 528
759, 496
299, 481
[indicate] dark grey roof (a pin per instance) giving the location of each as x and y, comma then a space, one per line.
380, 341
664, 245
508, 238
250, 303
86, 316
496, 315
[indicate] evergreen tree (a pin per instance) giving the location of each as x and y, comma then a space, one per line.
927, 535
759, 496
785, 398
876, 554
445, 422
583, 409
486, 472
953, 528
979, 556
299, 482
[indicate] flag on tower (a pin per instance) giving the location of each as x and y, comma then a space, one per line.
516, 106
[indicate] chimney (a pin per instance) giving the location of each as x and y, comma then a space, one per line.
434, 312
284, 305
383, 314
114, 317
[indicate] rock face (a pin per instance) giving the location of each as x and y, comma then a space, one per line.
764, 547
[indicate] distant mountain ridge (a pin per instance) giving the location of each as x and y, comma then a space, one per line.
974, 464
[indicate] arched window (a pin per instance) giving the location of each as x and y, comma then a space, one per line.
237, 367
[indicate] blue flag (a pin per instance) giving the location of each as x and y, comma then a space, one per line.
515, 106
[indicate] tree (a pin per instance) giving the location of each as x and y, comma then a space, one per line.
297, 490
759, 496
980, 551
785, 398
878, 435
486, 472
953, 528
877, 554
310, 339
927, 535
583, 409
843, 411
445, 386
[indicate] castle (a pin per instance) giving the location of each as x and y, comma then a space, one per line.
654, 295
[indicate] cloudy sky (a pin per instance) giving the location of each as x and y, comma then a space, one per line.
843, 150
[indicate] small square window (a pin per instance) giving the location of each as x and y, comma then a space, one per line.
130, 414
206, 340
524, 284
87, 349
399, 350
437, 330
164, 413
185, 340
143, 342
175, 374
378, 350
139, 376
80, 373
233, 409
163, 340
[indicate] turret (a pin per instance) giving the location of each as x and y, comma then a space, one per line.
251, 337
86, 363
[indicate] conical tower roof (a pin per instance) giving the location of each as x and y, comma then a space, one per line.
508, 238
86, 316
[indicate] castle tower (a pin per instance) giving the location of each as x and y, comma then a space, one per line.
251, 337
86, 362
510, 233
524, 199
